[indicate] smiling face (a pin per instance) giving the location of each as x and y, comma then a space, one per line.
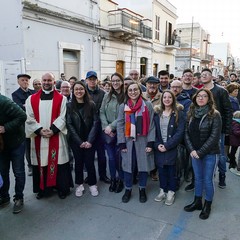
116, 82
48, 81
133, 92
152, 88
79, 92
23, 82
167, 99
187, 78
176, 87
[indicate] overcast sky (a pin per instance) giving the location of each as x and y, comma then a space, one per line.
221, 19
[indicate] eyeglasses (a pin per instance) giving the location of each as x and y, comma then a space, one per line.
133, 90
188, 75
116, 81
37, 84
202, 96
178, 87
206, 75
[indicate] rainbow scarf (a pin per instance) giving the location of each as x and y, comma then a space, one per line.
137, 119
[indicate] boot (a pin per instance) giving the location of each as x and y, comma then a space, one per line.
119, 186
206, 210
142, 195
195, 205
113, 185
222, 183
190, 187
127, 195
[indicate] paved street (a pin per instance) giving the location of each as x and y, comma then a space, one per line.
106, 217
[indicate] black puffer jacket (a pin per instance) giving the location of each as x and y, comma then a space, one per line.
224, 106
210, 133
74, 121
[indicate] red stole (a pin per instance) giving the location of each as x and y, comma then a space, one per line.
53, 141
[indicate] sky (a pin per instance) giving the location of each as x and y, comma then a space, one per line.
220, 18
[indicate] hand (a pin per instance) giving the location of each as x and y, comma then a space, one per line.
124, 150
2, 129
82, 145
88, 145
148, 149
162, 148
194, 154
49, 133
108, 130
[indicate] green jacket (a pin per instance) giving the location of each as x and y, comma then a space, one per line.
109, 112
13, 118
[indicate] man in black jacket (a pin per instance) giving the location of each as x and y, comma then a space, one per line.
223, 105
12, 119
97, 95
19, 97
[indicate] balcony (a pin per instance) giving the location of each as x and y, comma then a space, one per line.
146, 31
206, 59
173, 42
125, 24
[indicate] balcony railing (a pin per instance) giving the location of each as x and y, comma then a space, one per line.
126, 24
174, 42
146, 31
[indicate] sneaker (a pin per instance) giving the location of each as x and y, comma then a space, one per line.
18, 206
160, 196
79, 191
170, 198
235, 171
93, 190
4, 201
190, 187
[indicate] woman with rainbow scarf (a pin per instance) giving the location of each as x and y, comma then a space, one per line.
136, 136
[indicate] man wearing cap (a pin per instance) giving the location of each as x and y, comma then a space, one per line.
153, 95
19, 97
97, 95
223, 105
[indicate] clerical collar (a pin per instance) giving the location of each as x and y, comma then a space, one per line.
47, 92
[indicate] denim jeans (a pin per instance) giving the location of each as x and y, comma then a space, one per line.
222, 158
167, 177
16, 156
204, 170
114, 161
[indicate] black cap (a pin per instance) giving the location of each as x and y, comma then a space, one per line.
152, 79
23, 75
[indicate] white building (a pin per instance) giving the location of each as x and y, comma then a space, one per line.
137, 34
49, 35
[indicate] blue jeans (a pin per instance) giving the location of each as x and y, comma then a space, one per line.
167, 177
114, 160
16, 156
222, 158
204, 170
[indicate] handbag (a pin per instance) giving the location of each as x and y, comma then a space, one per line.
108, 139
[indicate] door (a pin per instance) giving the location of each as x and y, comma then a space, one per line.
120, 67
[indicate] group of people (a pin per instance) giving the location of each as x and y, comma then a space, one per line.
139, 126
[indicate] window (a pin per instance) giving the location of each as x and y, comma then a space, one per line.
157, 27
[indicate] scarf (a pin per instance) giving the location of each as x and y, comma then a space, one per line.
53, 141
137, 119
201, 111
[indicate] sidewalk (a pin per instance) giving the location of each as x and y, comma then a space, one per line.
106, 218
